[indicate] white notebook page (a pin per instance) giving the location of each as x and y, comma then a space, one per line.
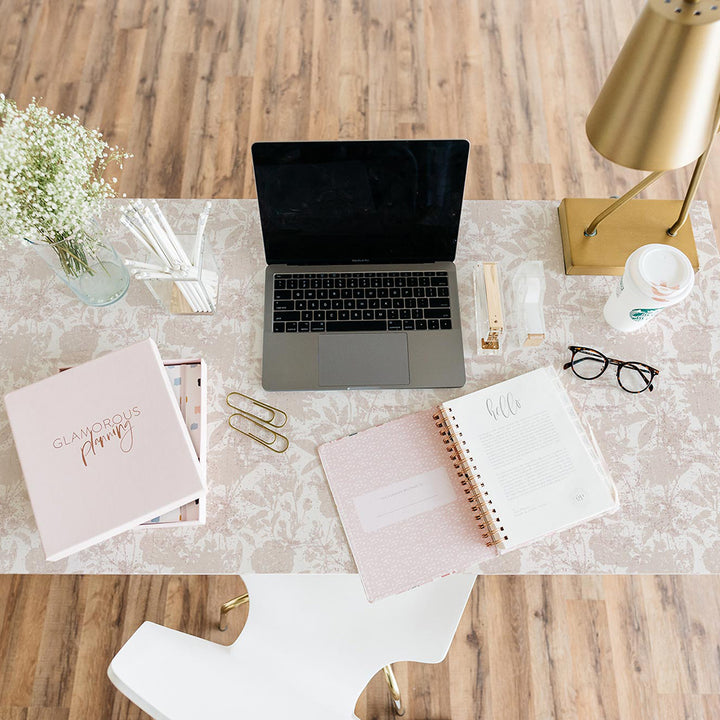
533, 458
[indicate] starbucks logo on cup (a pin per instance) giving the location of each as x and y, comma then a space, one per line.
656, 277
639, 314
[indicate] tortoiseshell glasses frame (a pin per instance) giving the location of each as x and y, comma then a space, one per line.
588, 364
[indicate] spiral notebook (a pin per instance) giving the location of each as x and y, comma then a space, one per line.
441, 490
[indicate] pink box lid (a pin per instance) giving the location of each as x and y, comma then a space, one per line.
103, 447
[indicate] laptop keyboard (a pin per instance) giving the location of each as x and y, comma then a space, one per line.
352, 301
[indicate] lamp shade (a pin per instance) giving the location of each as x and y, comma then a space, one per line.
658, 106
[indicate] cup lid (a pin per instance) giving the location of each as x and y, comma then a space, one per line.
662, 272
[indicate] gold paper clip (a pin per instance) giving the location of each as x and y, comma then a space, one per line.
276, 420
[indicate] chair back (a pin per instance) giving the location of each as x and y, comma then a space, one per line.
310, 645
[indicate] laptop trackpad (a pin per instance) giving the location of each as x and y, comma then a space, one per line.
363, 360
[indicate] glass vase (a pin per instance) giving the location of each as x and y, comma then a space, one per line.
98, 276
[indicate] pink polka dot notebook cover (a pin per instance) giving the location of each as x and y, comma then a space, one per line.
441, 490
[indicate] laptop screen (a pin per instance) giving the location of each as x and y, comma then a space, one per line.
368, 201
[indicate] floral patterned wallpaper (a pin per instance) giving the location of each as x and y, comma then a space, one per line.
274, 513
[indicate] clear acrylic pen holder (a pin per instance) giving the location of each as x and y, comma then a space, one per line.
193, 291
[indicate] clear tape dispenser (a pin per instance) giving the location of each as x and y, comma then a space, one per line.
528, 297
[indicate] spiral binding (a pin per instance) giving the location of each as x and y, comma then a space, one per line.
485, 514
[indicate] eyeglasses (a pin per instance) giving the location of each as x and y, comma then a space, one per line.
588, 364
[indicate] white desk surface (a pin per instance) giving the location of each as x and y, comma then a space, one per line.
274, 513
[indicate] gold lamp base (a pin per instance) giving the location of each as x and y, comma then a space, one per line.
637, 223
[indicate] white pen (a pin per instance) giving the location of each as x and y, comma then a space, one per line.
189, 288
137, 265
141, 223
161, 238
139, 209
178, 248
203, 291
143, 275
198, 255
202, 221
138, 234
192, 291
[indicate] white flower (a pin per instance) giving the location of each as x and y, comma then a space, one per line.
51, 176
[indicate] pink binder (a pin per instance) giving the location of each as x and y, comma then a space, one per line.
103, 447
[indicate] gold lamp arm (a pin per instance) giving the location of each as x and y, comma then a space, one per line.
591, 229
672, 231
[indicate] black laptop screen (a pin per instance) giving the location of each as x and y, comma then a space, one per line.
360, 202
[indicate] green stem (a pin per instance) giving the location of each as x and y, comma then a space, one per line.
72, 256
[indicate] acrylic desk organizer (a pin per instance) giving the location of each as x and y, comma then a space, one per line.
186, 292
179, 270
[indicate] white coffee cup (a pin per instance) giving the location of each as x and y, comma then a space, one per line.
656, 276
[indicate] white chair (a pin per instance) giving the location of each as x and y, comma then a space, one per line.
310, 645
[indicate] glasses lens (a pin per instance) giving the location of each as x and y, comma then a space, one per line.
588, 364
634, 378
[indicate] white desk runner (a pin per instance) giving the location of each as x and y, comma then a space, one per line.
274, 513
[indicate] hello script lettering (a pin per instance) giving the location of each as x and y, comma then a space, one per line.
506, 406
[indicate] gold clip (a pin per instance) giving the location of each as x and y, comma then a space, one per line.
276, 437
256, 418
264, 424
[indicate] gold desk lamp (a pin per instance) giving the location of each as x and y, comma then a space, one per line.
658, 110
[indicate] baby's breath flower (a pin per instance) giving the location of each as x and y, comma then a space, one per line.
51, 177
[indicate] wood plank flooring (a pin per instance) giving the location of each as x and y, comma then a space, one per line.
187, 86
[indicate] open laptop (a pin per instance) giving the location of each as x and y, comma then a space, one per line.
360, 289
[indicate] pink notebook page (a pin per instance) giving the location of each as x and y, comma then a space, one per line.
403, 509
535, 461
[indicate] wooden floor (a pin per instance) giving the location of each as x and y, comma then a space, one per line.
187, 86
